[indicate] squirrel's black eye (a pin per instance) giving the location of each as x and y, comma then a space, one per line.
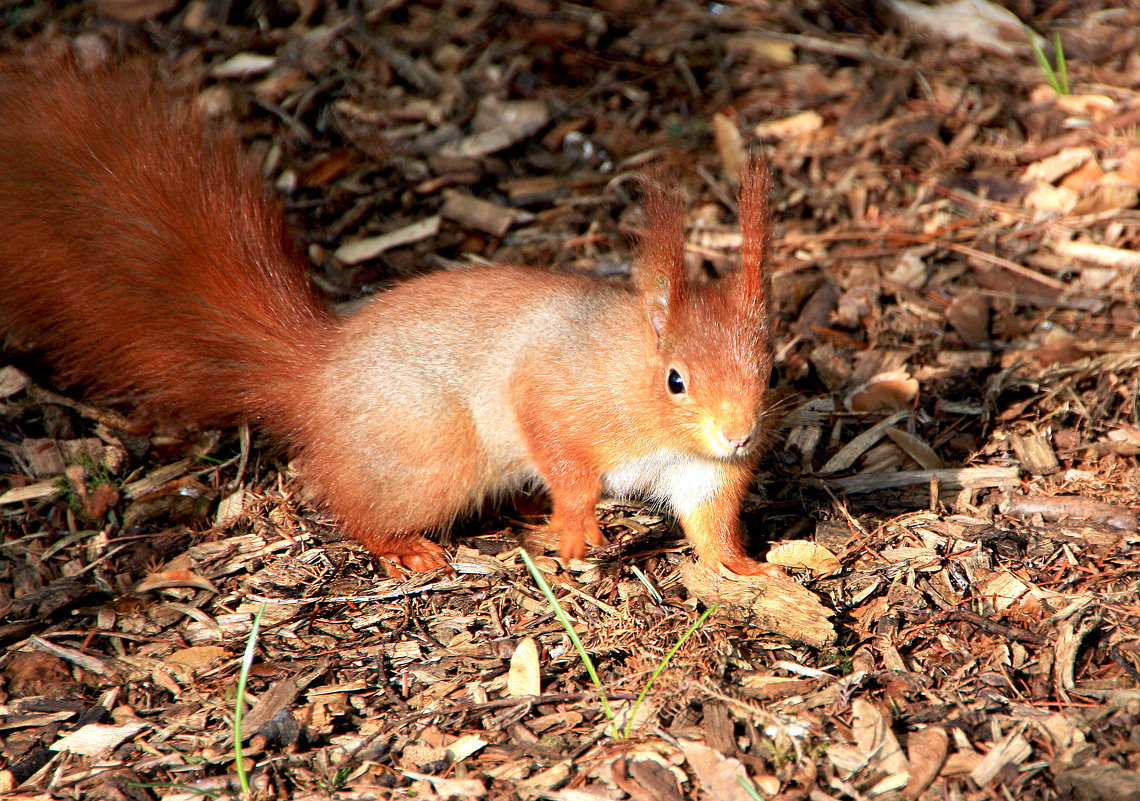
773, 377
676, 383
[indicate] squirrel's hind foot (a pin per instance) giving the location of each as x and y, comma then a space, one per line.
415, 555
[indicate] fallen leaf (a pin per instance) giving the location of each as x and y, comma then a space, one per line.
794, 127
987, 25
165, 579
197, 656
926, 751
524, 678
97, 739
805, 555
891, 390
915, 448
730, 145
718, 776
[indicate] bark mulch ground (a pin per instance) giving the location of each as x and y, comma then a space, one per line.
953, 484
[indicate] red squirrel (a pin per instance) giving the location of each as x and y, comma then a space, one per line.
138, 250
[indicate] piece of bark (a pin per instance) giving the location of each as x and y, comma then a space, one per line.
1073, 506
48, 488
969, 315
371, 247
280, 695
816, 312
474, 213
718, 727
775, 605
1104, 782
43, 457
1035, 453
926, 751
850, 452
957, 478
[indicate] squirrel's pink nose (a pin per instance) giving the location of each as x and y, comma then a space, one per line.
737, 439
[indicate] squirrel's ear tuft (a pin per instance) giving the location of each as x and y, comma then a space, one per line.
660, 273
754, 281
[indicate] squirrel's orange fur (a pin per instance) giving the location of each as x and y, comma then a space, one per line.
137, 249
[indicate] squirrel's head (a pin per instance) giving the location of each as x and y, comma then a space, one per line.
711, 342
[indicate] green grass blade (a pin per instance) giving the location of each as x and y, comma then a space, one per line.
644, 579
664, 663
1062, 67
239, 702
1058, 77
540, 580
1043, 61
749, 788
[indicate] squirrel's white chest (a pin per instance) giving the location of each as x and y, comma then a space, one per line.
680, 481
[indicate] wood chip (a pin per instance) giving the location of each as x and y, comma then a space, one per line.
777, 605
795, 126
969, 315
1062, 506
132, 11
1035, 453
730, 145
850, 452
98, 739
1104, 255
474, 213
954, 478
244, 65
365, 249
873, 736
12, 382
498, 124
43, 457
524, 676
1013, 750
280, 696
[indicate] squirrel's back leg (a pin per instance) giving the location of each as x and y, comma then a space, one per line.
400, 484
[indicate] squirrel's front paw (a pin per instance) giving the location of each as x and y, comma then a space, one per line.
743, 566
572, 537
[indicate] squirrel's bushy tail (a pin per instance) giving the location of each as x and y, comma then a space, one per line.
136, 242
